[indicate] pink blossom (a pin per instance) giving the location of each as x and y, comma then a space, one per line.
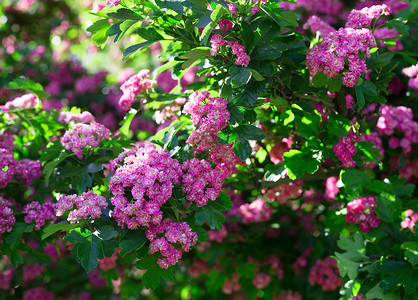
326, 274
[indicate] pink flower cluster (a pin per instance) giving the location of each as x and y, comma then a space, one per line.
165, 235
237, 49
84, 135
28, 170
345, 44
31, 271
8, 167
364, 17
134, 86
84, 117
398, 118
373, 137
361, 211
148, 175
7, 219
88, 204
358, 297
328, 7
109, 262
256, 211
170, 112
38, 293
288, 295
410, 219
113, 2
277, 151
225, 24
209, 115
412, 72
331, 189
25, 101
25, 170
200, 182
345, 148
6, 140
316, 24
231, 285
261, 280
325, 273
283, 192
39, 213
302, 261
385, 33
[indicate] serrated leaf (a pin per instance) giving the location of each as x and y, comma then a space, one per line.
298, 162
89, 251
53, 228
105, 232
13, 239
354, 180
411, 251
132, 241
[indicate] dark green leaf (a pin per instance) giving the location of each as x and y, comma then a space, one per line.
124, 14
89, 251
354, 180
132, 241
411, 251
106, 232
239, 75
389, 208
13, 239
298, 162
53, 228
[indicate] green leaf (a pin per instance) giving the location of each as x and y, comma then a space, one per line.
354, 180
388, 209
98, 25
399, 274
50, 167
13, 239
53, 228
202, 234
269, 50
77, 235
361, 101
125, 14
89, 251
247, 36
257, 76
194, 55
399, 24
137, 47
275, 172
242, 148
152, 278
377, 293
132, 241
411, 251
126, 122
213, 212
298, 162
250, 132
217, 13
106, 232
289, 17
319, 79
109, 247
246, 270
334, 84
355, 255
23, 83
94, 168
239, 75
215, 217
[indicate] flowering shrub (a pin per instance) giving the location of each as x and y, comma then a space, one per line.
219, 150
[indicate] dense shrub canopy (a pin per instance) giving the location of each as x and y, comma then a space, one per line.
208, 149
